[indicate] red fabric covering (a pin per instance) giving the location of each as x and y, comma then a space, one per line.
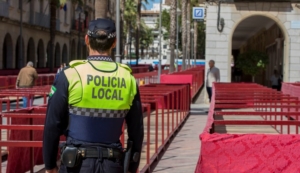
224, 153
247, 153
18, 160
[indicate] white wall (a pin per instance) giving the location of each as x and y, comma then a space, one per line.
218, 45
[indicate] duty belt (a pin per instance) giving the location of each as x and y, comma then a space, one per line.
108, 153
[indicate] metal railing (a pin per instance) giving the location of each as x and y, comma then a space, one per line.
165, 107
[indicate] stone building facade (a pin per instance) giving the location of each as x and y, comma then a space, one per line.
240, 19
69, 42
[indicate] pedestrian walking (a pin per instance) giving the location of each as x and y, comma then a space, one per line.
237, 74
150, 68
26, 79
213, 75
88, 104
276, 81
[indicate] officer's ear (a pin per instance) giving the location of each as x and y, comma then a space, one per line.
115, 43
86, 39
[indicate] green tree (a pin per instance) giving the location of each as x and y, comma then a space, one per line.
165, 20
184, 31
252, 62
101, 8
54, 4
139, 5
188, 31
172, 31
146, 36
200, 38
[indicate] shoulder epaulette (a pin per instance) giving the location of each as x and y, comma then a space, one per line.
125, 66
75, 63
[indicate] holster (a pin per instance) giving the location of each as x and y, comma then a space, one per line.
127, 156
70, 156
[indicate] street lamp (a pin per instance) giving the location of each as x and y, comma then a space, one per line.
192, 39
142, 47
79, 15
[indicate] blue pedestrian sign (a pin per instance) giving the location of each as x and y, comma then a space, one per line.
198, 13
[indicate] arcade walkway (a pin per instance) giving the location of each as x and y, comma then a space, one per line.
183, 153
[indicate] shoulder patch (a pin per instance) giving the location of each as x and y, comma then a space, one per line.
77, 62
125, 67
52, 91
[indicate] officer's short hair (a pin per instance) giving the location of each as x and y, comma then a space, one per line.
102, 34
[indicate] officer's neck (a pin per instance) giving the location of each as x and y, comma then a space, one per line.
96, 53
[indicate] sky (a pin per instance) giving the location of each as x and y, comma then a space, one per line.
150, 4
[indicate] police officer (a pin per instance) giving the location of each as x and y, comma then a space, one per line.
88, 104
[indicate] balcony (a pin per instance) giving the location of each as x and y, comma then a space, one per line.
150, 19
4, 6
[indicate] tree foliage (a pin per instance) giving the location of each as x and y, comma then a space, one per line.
201, 38
165, 20
200, 28
252, 62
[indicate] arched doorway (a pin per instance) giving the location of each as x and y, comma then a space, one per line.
40, 54
65, 54
73, 50
57, 55
79, 49
263, 34
19, 55
31, 51
48, 55
7, 52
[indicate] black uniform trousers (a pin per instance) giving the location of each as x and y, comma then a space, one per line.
209, 92
93, 165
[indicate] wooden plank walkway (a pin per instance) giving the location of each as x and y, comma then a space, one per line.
183, 153
244, 129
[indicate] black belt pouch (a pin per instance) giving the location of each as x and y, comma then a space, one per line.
70, 156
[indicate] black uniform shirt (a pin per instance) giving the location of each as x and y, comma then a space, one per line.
57, 122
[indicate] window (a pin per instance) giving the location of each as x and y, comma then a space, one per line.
165, 46
20, 2
58, 13
164, 57
41, 6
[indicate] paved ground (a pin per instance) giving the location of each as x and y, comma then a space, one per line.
183, 153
